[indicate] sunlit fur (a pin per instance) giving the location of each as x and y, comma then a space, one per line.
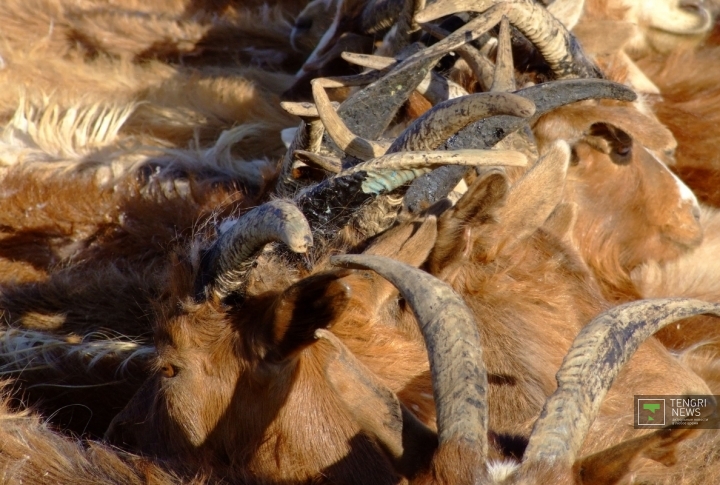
689, 108
693, 275
193, 32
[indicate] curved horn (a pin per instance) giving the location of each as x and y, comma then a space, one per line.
349, 142
434, 87
447, 118
226, 264
479, 64
451, 335
329, 164
386, 173
596, 356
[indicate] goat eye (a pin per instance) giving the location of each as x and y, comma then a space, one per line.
168, 371
623, 151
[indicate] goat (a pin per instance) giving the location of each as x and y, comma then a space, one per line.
269, 372
496, 250
631, 207
81, 256
617, 148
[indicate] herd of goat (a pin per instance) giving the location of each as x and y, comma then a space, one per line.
357, 241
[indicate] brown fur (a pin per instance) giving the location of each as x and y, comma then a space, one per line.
187, 32
81, 256
693, 275
689, 108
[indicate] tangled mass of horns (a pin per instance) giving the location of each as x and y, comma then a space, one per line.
355, 242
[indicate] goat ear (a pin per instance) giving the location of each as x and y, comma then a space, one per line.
376, 409
409, 243
312, 303
612, 465
562, 220
535, 196
644, 129
457, 227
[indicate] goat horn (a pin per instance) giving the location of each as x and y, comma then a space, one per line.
434, 87
367, 113
434, 186
399, 35
225, 266
596, 356
307, 137
479, 64
559, 48
546, 97
387, 173
504, 79
447, 118
331, 203
337, 129
329, 164
451, 335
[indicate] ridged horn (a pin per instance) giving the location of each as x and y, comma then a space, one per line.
330, 204
559, 48
349, 142
451, 336
479, 64
225, 265
486, 133
596, 356
387, 173
447, 118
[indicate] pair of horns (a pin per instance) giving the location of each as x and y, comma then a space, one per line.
460, 384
